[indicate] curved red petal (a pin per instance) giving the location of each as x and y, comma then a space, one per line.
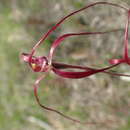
76, 75
66, 66
58, 41
66, 17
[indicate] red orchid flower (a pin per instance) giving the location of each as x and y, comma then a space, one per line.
46, 64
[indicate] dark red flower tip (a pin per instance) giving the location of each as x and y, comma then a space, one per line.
116, 61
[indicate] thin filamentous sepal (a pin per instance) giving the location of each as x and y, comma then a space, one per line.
59, 66
77, 75
66, 17
126, 56
58, 41
36, 86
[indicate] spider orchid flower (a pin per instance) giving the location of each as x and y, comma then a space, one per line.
46, 64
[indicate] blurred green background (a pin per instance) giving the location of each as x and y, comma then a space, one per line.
97, 98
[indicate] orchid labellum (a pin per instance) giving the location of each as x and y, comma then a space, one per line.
46, 64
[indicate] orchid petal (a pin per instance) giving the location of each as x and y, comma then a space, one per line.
66, 17
76, 75
58, 41
126, 57
66, 66
36, 86
24, 57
